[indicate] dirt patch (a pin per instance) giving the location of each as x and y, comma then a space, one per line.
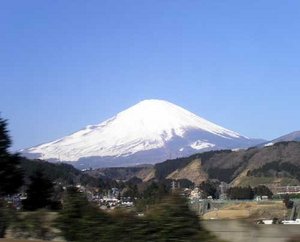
227, 214
247, 210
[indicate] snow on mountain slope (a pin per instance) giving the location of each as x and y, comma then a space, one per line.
150, 131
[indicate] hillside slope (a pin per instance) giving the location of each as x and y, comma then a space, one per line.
276, 164
60, 172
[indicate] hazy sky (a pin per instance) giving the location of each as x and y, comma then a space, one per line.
66, 64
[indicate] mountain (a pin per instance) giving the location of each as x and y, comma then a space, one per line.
278, 164
294, 136
148, 132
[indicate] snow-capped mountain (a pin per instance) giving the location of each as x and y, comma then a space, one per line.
148, 132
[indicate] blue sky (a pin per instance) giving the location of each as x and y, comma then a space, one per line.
67, 64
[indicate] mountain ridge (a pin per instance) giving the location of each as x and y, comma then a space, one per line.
272, 165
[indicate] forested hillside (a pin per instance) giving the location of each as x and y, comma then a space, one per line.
279, 163
59, 172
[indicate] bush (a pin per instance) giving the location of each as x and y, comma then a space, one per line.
36, 225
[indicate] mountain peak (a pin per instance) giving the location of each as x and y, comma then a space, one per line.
150, 131
153, 102
151, 105
163, 115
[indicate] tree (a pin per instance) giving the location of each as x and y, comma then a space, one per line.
131, 191
11, 174
262, 191
11, 178
5, 141
71, 215
155, 192
172, 220
152, 194
287, 202
81, 221
39, 192
240, 193
209, 189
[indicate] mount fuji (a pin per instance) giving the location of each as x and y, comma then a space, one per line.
148, 132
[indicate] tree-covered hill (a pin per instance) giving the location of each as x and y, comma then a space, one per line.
59, 172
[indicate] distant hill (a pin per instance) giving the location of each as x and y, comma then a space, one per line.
275, 164
123, 173
59, 172
294, 136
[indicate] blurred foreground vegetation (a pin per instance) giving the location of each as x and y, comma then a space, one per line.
169, 220
82, 221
